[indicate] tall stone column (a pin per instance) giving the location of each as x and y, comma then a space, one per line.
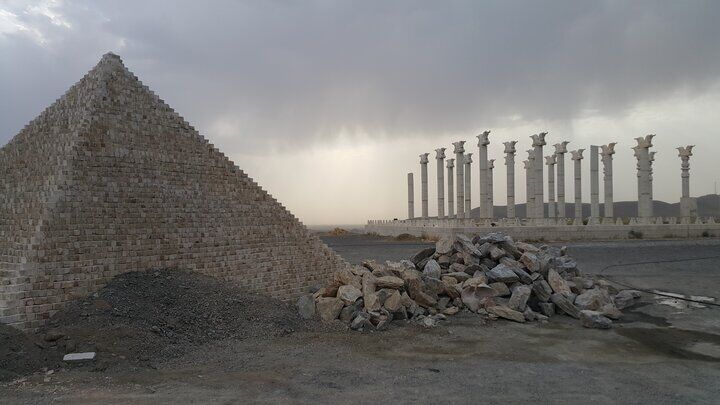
594, 182
510, 163
577, 158
550, 162
424, 184
642, 153
451, 191
440, 158
468, 184
538, 177
530, 185
650, 177
483, 143
411, 196
491, 201
459, 150
560, 151
688, 206
607, 151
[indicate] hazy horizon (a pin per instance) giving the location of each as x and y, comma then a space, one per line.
327, 105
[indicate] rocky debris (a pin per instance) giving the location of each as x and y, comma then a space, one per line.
76, 357
594, 319
490, 275
306, 306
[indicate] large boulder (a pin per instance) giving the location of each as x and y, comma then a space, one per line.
502, 273
347, 277
432, 269
626, 298
329, 308
592, 299
557, 283
507, 313
563, 303
422, 255
444, 246
349, 294
389, 282
393, 303
519, 298
542, 290
595, 320
473, 295
306, 306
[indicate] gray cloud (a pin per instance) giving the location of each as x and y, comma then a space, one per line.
290, 74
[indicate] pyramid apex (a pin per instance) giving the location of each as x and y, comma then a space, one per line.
111, 55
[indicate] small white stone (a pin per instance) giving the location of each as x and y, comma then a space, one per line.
79, 356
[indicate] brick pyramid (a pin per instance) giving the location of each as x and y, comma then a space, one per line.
110, 179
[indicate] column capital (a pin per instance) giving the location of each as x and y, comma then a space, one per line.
645, 141
539, 139
561, 148
459, 147
550, 160
450, 163
483, 138
491, 164
526, 164
510, 146
609, 149
577, 154
685, 151
467, 158
424, 158
440, 153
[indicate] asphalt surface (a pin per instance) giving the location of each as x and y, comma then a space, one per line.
659, 354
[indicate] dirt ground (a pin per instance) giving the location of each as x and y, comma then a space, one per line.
658, 354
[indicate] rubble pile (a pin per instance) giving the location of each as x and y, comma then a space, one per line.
490, 275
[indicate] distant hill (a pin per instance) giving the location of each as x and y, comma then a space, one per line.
708, 205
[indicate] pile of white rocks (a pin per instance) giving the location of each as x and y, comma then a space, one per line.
490, 275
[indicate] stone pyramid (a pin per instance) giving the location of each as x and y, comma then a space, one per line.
110, 179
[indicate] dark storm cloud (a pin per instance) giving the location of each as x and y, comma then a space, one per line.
298, 73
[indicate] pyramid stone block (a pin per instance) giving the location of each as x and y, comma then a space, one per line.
109, 179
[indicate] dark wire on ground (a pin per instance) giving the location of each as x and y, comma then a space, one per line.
604, 277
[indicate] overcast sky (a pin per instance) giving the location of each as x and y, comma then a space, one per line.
327, 104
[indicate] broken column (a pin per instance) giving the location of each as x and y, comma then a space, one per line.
459, 151
688, 206
550, 162
577, 158
642, 153
468, 182
440, 158
560, 151
538, 181
451, 191
491, 202
607, 151
510, 163
411, 196
483, 143
424, 184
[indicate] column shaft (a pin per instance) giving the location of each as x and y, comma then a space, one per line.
577, 159
451, 188
608, 203
468, 184
459, 178
483, 143
439, 159
424, 184
560, 151
510, 164
411, 196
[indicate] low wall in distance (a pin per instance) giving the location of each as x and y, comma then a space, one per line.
555, 229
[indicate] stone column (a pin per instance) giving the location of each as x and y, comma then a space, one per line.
483, 143
468, 183
530, 185
560, 151
642, 153
411, 196
491, 201
451, 191
538, 143
424, 184
440, 158
510, 163
550, 162
650, 177
607, 151
577, 157
594, 182
686, 203
459, 151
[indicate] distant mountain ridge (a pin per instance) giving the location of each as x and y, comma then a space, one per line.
708, 205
